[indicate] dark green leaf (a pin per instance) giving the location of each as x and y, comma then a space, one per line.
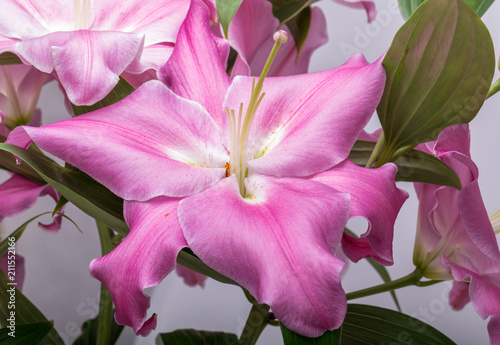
89, 332
439, 69
288, 9
121, 90
328, 338
8, 162
407, 7
226, 9
413, 166
365, 324
381, 270
9, 58
194, 337
299, 27
25, 311
32, 334
187, 259
77, 187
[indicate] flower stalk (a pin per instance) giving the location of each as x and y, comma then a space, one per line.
106, 303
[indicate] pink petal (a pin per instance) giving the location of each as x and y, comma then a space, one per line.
190, 277
7, 45
367, 5
87, 63
17, 194
277, 243
485, 297
137, 148
252, 25
286, 61
152, 57
196, 68
142, 260
308, 123
459, 295
453, 138
374, 195
29, 19
158, 21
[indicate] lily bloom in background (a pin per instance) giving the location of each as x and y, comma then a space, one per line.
258, 186
455, 238
20, 88
89, 44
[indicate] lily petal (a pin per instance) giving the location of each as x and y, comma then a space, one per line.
308, 123
137, 148
190, 277
485, 297
374, 195
87, 63
286, 62
252, 26
142, 260
367, 5
278, 244
196, 68
29, 19
18, 194
158, 21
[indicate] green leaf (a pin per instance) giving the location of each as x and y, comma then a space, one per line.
25, 311
407, 7
194, 337
9, 58
60, 204
439, 69
8, 162
89, 332
226, 9
365, 324
413, 166
187, 259
32, 334
286, 10
77, 187
381, 270
121, 90
299, 27
328, 338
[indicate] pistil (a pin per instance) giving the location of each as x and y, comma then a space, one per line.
238, 132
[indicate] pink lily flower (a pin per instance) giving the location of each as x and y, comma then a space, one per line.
455, 238
182, 171
89, 44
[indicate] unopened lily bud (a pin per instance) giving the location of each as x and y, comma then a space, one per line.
280, 36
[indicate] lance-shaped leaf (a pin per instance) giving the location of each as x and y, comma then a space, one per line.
89, 332
32, 334
286, 10
226, 9
25, 311
328, 338
407, 7
439, 69
413, 166
365, 324
299, 27
194, 337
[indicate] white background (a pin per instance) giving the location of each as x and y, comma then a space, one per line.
57, 278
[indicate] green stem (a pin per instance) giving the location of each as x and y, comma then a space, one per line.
377, 150
385, 156
410, 279
256, 322
494, 89
106, 303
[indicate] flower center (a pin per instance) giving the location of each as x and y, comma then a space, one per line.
82, 14
239, 124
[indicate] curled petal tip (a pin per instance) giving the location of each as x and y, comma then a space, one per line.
280, 36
